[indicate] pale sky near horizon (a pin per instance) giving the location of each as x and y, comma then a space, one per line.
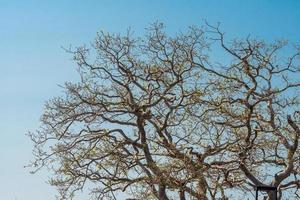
33, 64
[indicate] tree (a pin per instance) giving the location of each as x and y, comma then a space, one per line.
165, 117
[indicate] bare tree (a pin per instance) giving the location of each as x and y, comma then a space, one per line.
164, 117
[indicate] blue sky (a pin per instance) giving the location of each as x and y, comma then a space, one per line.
33, 64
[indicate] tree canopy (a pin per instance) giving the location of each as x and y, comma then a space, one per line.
187, 116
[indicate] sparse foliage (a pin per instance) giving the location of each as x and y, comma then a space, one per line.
185, 117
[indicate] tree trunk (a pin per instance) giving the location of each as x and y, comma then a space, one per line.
271, 196
162, 192
202, 189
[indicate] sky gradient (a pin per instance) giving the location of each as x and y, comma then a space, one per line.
33, 63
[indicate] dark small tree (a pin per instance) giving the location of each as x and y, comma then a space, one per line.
157, 118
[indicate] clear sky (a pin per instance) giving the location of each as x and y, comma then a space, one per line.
33, 64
